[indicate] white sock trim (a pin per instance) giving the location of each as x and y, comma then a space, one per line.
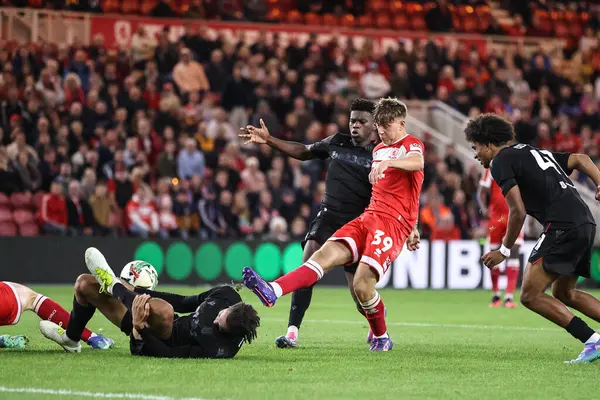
277, 289
385, 335
315, 267
38, 302
292, 329
373, 303
593, 339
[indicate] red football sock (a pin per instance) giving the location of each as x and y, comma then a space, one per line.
512, 274
306, 275
375, 313
495, 272
49, 310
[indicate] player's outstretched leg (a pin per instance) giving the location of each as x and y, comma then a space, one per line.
327, 257
13, 342
364, 287
100, 269
495, 275
533, 296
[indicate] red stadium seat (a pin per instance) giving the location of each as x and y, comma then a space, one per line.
111, 6
29, 229
561, 29
418, 22
35, 3
383, 21
36, 200
4, 200
294, 17
8, 229
575, 29
470, 24
331, 20
22, 216
130, 7
400, 22
377, 6
365, 21
147, 6
5, 215
347, 21
396, 6
313, 19
21, 200
274, 15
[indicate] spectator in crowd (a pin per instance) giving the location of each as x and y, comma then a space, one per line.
213, 224
103, 210
53, 211
189, 74
80, 218
186, 213
142, 218
190, 160
142, 48
163, 9
166, 218
374, 84
439, 18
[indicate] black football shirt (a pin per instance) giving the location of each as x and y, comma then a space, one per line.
543, 180
347, 186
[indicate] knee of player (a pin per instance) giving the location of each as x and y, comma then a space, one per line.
26, 295
362, 288
528, 298
564, 295
84, 283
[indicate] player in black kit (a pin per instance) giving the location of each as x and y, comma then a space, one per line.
217, 326
536, 182
347, 192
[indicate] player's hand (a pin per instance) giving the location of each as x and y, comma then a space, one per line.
256, 135
378, 171
140, 311
492, 258
598, 193
413, 241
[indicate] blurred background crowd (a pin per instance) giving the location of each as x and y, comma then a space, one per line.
143, 140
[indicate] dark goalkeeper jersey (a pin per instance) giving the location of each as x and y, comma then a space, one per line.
543, 179
194, 335
347, 187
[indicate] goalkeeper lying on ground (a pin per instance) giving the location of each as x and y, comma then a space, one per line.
217, 327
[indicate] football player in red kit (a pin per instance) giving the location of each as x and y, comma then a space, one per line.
377, 236
16, 298
497, 212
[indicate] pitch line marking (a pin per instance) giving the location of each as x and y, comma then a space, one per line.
103, 395
431, 325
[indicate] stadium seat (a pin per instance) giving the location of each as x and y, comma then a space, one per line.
111, 6
21, 200
313, 19
331, 20
22, 216
35, 3
5, 215
417, 22
36, 200
347, 21
29, 229
396, 6
383, 21
294, 17
4, 200
470, 24
365, 21
8, 229
274, 15
400, 22
561, 29
147, 6
377, 6
130, 7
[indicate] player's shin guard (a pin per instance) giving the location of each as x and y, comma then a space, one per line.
375, 313
124, 295
300, 302
307, 275
49, 310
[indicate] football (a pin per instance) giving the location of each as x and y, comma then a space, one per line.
140, 274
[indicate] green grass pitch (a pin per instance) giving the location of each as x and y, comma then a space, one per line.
447, 345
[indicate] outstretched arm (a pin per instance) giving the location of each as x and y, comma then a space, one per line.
584, 163
262, 136
412, 162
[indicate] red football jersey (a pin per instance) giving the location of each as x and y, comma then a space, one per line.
397, 193
497, 204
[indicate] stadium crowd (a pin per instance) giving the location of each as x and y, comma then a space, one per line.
143, 141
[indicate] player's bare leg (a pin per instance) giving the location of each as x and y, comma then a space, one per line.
535, 282
495, 273
564, 289
513, 264
327, 257
49, 310
87, 295
364, 283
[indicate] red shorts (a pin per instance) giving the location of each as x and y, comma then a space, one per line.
10, 305
497, 229
374, 240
